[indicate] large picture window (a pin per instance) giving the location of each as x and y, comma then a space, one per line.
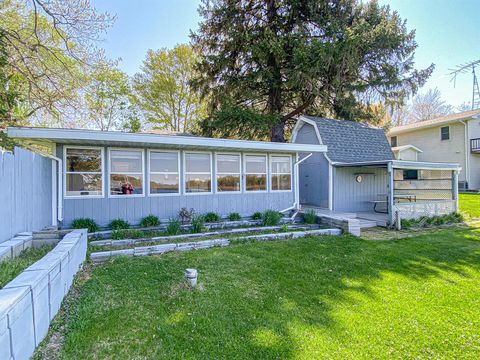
164, 172
228, 172
126, 172
255, 172
83, 172
281, 173
198, 172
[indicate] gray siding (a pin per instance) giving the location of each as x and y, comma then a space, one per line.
313, 172
26, 196
350, 195
132, 209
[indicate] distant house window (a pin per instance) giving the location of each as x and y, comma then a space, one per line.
281, 173
228, 172
393, 141
410, 174
164, 172
126, 172
198, 172
445, 132
255, 172
83, 172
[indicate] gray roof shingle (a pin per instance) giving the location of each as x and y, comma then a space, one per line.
351, 141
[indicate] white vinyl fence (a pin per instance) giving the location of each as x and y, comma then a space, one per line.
25, 192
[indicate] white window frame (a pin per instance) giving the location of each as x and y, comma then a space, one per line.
109, 167
102, 172
150, 172
270, 177
185, 173
267, 187
240, 172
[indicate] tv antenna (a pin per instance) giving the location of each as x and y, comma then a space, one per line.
463, 69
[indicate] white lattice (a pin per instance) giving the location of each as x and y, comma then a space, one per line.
416, 210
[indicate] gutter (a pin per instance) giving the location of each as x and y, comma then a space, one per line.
59, 183
296, 204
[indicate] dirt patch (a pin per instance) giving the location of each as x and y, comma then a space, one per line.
50, 347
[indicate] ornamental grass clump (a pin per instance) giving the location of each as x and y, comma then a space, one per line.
211, 217
257, 215
85, 223
310, 217
197, 223
271, 218
234, 216
173, 227
118, 224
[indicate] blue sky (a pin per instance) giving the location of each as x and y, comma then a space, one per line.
447, 32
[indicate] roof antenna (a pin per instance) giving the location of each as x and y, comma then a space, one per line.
462, 69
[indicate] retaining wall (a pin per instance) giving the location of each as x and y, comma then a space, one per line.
30, 301
25, 192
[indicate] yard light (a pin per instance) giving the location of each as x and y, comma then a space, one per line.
191, 276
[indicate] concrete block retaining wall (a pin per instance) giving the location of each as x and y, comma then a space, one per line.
30, 301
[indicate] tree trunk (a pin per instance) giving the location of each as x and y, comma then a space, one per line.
277, 133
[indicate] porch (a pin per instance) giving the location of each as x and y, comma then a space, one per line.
366, 219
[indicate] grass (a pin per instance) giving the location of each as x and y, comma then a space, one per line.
470, 204
317, 297
9, 269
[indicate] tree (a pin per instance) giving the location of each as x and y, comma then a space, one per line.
50, 46
163, 91
107, 97
429, 105
284, 57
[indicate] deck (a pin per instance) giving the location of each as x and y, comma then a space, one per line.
367, 219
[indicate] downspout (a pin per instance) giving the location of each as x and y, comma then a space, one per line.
59, 179
467, 154
296, 204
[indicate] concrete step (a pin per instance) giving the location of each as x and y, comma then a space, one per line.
367, 223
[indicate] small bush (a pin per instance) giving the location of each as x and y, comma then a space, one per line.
174, 226
284, 228
198, 224
121, 234
234, 216
211, 217
257, 215
118, 224
271, 218
85, 223
186, 215
310, 216
426, 221
150, 220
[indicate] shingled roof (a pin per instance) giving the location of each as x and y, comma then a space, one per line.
351, 141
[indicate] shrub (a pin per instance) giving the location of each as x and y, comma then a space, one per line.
185, 215
426, 221
85, 223
121, 234
197, 224
257, 215
118, 224
310, 216
271, 218
284, 228
150, 220
234, 216
173, 227
211, 217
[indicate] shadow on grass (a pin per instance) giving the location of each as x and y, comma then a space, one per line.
331, 297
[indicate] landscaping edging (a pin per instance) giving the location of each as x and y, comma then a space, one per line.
205, 244
29, 302
12, 248
126, 242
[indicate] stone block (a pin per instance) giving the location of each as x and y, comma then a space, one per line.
161, 249
5, 253
37, 281
222, 242
100, 256
5, 352
56, 290
185, 246
17, 304
123, 252
15, 245
41, 242
204, 244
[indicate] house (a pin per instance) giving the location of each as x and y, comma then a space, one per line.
453, 138
105, 175
359, 177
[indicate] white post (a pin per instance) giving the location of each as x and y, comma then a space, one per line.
455, 189
391, 212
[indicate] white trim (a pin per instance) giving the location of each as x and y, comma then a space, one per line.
245, 173
406, 147
102, 171
109, 168
149, 172
185, 173
330, 186
270, 162
240, 191
297, 127
106, 138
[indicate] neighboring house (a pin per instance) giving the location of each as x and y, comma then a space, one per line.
406, 152
453, 138
108, 175
360, 177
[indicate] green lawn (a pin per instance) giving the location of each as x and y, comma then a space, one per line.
470, 204
9, 269
318, 297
